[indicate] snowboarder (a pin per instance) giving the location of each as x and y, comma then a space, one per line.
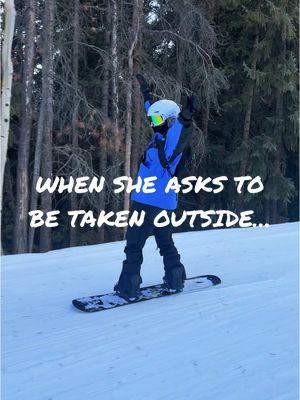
164, 157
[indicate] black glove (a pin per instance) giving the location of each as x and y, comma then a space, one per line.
144, 87
193, 104
190, 107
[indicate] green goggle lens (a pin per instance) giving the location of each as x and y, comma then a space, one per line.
156, 119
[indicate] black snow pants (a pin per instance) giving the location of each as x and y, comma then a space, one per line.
136, 237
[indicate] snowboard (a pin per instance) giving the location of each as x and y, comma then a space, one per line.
112, 300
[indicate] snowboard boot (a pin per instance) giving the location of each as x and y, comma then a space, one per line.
174, 278
128, 286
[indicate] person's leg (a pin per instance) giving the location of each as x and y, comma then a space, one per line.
136, 236
174, 269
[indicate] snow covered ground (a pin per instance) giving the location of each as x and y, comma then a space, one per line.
237, 341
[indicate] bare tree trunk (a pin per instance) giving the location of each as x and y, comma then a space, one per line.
22, 187
279, 160
273, 211
205, 119
266, 205
76, 34
115, 65
6, 82
210, 7
179, 62
128, 138
137, 127
250, 95
37, 165
115, 107
9, 186
48, 75
137, 100
180, 55
247, 122
103, 138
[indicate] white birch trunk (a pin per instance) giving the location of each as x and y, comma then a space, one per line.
6, 83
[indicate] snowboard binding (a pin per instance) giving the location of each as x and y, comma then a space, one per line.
174, 279
128, 287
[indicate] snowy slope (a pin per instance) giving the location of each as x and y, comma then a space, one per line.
237, 341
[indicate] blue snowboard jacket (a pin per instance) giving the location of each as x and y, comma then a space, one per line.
175, 141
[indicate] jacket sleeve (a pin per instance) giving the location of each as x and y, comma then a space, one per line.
171, 148
183, 140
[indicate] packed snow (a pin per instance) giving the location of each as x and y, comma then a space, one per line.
235, 341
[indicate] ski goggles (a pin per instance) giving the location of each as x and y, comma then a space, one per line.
156, 119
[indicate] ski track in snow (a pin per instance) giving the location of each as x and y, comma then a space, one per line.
237, 341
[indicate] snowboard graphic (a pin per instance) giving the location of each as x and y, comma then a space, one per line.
111, 300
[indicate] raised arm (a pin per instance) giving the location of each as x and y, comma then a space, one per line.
169, 150
185, 119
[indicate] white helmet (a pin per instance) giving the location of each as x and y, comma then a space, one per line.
162, 110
